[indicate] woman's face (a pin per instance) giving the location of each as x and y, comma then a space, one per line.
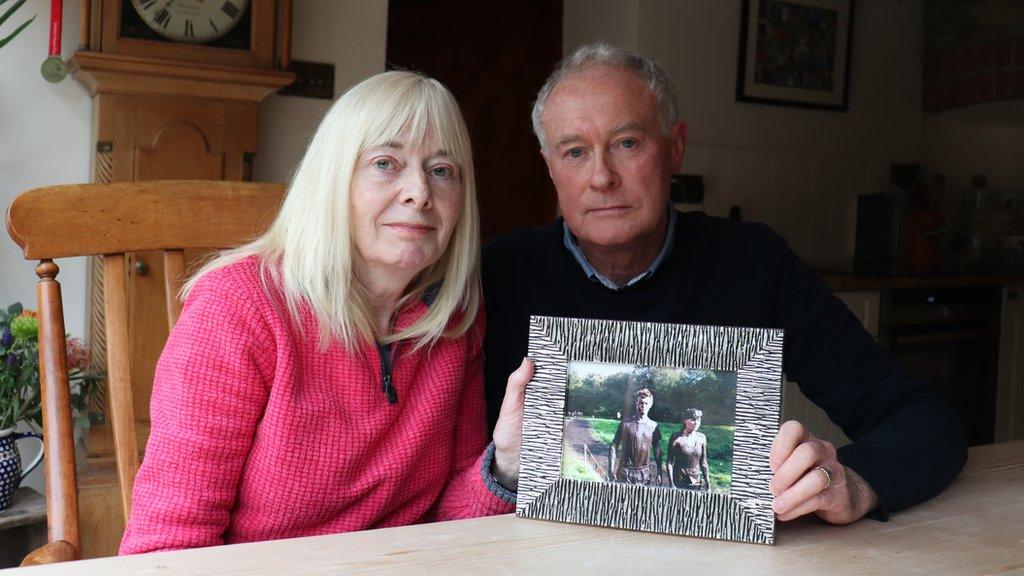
406, 198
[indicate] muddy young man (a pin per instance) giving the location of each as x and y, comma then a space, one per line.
636, 439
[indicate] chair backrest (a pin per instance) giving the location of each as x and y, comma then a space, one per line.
110, 220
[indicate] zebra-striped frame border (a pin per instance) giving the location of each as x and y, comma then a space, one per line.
755, 354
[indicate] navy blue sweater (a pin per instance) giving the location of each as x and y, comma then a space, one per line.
907, 443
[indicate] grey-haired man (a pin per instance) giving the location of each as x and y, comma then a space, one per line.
610, 135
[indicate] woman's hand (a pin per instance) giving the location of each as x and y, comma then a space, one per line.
837, 495
508, 431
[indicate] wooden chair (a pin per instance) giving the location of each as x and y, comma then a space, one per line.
110, 220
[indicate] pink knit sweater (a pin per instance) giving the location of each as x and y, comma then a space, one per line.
258, 435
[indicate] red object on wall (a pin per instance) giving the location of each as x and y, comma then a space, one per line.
56, 10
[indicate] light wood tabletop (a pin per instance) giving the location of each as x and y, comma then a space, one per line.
975, 527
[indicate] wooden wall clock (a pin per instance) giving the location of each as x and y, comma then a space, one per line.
176, 87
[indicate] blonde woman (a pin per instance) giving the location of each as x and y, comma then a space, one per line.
327, 377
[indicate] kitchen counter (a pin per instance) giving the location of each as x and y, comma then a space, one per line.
846, 277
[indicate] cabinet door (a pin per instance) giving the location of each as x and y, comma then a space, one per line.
1010, 384
796, 406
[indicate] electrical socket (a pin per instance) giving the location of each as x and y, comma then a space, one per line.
312, 80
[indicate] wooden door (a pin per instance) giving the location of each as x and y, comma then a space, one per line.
494, 56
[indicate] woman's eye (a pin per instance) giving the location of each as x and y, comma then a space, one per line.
383, 164
442, 171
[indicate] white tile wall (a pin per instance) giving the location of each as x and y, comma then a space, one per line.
810, 198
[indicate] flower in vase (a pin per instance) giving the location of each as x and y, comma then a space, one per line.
25, 327
78, 354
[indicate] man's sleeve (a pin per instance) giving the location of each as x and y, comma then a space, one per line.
908, 443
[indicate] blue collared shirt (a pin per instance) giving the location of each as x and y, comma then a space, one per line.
595, 276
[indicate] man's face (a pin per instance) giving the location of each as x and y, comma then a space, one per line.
609, 158
643, 404
692, 424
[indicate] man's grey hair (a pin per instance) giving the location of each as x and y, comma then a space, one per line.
604, 54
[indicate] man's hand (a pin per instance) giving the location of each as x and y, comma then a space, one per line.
799, 487
508, 431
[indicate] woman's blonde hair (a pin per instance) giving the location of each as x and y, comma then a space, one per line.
307, 253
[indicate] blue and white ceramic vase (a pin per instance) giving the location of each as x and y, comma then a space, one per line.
11, 473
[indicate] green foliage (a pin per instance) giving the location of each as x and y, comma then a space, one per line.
574, 468
19, 369
6, 15
675, 390
603, 429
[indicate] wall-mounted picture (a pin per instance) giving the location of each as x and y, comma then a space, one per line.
795, 53
651, 426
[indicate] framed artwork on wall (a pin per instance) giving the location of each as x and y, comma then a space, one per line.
653, 427
795, 53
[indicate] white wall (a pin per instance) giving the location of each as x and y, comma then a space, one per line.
613, 21
45, 128
959, 148
797, 169
352, 35
984, 139
44, 139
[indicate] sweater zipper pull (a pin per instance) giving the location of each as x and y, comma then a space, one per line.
386, 386
389, 389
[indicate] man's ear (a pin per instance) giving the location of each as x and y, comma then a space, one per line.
677, 134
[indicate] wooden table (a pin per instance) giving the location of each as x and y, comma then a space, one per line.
975, 527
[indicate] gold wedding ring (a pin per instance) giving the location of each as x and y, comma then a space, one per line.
828, 476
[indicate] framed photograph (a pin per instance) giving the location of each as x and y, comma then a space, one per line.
654, 427
795, 53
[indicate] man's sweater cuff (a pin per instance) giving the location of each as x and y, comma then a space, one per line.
862, 464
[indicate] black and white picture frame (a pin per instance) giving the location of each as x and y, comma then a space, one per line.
739, 510
795, 53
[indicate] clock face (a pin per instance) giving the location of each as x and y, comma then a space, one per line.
191, 21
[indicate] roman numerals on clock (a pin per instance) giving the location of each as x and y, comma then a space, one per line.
191, 21
163, 18
230, 9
